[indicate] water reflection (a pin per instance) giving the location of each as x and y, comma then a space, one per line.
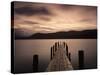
25, 49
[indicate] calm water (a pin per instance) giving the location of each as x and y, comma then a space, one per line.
25, 49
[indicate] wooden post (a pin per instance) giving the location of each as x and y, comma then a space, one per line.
66, 50
35, 63
51, 53
55, 47
69, 56
81, 59
64, 44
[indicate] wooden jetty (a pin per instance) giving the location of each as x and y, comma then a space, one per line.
60, 58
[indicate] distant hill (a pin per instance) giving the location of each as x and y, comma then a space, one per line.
86, 34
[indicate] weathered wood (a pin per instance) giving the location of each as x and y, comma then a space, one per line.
35, 63
81, 59
60, 61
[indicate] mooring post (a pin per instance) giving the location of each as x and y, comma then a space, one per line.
81, 59
69, 56
64, 44
35, 63
51, 53
55, 46
66, 50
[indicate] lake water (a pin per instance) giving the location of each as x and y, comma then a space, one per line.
25, 49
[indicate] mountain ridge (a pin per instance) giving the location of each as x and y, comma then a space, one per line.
85, 34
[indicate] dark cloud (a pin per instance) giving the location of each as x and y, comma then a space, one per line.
65, 7
87, 20
77, 7
91, 8
30, 22
29, 11
44, 18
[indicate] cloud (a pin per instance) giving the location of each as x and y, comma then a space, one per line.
29, 11
46, 27
65, 7
87, 20
30, 22
45, 18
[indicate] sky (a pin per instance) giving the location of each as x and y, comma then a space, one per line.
31, 18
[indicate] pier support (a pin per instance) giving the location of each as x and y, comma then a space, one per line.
69, 56
66, 50
51, 53
35, 63
81, 59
